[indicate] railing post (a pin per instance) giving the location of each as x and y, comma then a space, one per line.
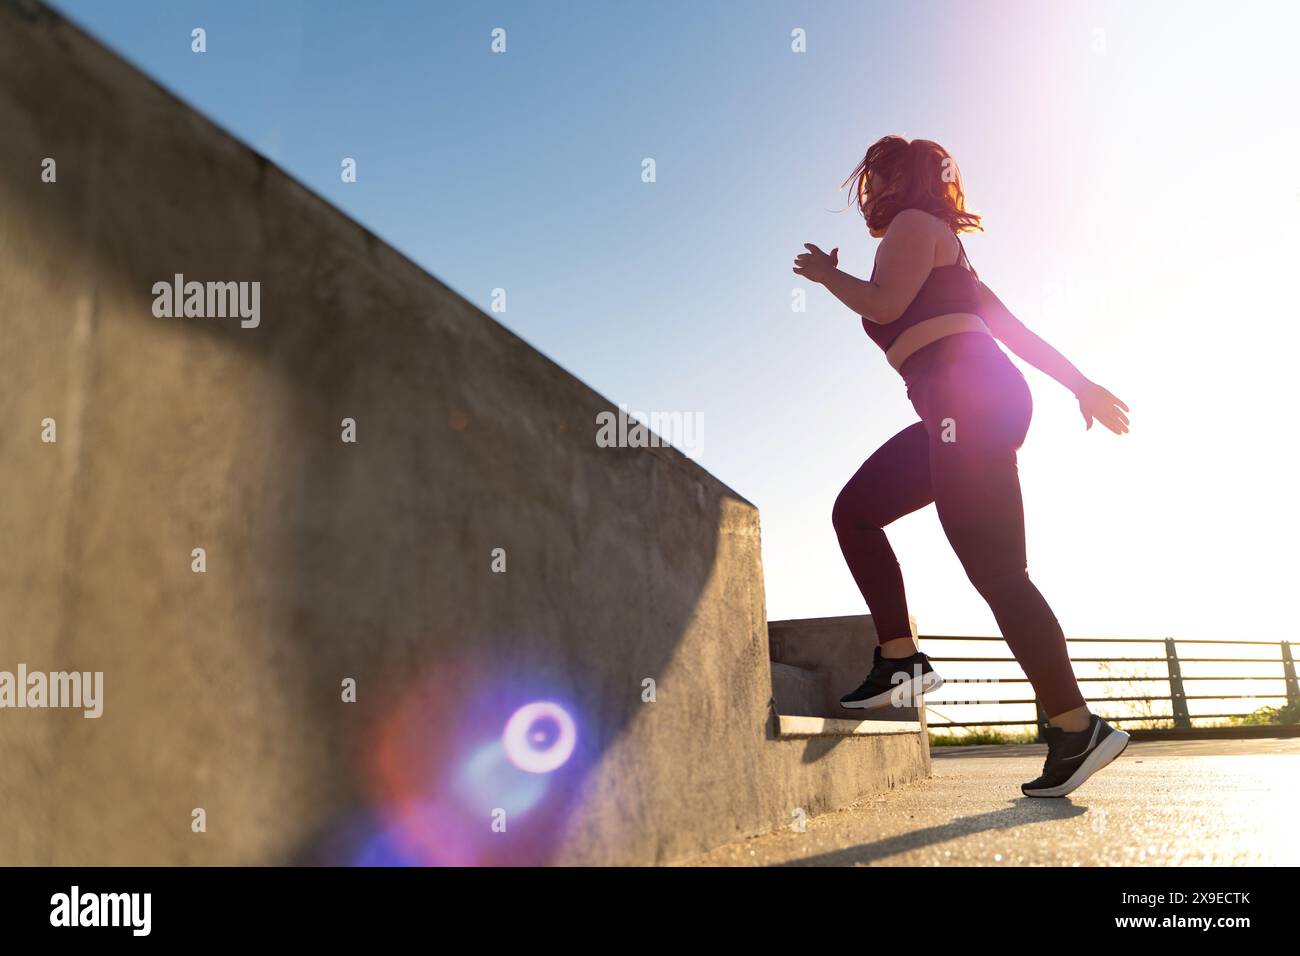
1040, 720
1177, 697
1288, 669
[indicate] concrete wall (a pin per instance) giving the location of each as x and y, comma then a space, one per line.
328, 560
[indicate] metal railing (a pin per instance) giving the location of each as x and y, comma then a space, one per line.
1180, 716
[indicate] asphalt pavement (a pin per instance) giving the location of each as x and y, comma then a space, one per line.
1162, 803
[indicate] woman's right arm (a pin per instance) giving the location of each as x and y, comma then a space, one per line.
1095, 402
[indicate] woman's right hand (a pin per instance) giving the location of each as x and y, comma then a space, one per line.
815, 264
1097, 403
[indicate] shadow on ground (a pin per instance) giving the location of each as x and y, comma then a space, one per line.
1023, 812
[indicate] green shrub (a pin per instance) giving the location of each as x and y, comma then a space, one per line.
971, 736
1286, 714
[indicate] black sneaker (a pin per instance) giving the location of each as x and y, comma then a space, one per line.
1074, 757
896, 681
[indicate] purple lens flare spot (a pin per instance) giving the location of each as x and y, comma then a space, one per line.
540, 737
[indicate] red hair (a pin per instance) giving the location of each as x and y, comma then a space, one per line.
914, 175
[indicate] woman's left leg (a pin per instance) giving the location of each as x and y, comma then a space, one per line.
976, 486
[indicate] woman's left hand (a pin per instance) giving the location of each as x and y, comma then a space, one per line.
1097, 403
815, 264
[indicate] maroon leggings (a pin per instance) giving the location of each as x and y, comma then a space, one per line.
975, 408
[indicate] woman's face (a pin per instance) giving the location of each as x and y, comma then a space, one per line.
876, 187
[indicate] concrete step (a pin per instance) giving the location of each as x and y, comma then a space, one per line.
795, 726
798, 690
832, 644
840, 650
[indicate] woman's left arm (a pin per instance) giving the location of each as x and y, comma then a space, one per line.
902, 264
1095, 402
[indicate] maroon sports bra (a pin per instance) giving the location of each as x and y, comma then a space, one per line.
954, 288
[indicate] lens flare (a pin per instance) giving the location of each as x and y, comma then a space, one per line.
487, 780
540, 737
458, 767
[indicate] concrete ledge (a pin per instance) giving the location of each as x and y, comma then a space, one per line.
838, 727
838, 648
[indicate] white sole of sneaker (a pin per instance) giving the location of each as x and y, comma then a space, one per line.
1106, 751
906, 694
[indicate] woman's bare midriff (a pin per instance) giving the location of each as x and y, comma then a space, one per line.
932, 330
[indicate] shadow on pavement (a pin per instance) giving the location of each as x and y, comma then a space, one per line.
1022, 812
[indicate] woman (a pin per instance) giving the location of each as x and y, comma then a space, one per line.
937, 324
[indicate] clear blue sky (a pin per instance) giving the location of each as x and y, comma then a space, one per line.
1094, 137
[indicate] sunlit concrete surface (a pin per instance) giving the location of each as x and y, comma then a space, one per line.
1165, 803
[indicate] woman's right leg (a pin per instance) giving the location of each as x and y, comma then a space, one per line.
893, 482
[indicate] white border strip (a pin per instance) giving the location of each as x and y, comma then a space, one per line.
837, 727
